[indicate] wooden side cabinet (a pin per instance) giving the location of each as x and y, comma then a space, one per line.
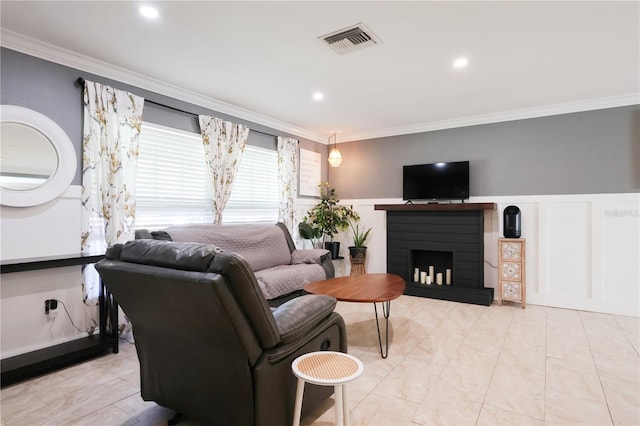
511, 270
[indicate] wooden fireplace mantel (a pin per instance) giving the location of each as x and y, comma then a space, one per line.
436, 206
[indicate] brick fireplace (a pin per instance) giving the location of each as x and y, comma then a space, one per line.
445, 237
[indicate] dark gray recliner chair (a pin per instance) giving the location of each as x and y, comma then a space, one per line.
208, 344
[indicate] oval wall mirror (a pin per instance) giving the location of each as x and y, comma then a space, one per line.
37, 159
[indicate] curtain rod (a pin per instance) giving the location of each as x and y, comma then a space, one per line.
80, 82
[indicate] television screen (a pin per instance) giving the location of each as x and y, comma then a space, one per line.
437, 181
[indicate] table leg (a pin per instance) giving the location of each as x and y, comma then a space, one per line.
345, 407
386, 310
298, 404
339, 405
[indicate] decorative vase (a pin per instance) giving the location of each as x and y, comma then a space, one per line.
334, 248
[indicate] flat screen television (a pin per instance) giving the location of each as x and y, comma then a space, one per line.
437, 181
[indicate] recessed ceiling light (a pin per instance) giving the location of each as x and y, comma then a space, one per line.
460, 62
318, 96
149, 12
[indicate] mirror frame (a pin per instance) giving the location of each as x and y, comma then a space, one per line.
61, 178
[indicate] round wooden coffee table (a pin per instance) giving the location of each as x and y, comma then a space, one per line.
367, 288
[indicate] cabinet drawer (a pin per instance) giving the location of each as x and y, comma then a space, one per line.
511, 270
512, 290
511, 251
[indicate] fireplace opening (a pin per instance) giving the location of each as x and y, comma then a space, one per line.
431, 267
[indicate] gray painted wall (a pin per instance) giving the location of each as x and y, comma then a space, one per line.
587, 152
581, 153
49, 88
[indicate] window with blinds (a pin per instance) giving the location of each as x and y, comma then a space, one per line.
254, 197
173, 185
172, 182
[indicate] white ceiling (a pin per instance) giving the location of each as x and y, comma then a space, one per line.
263, 60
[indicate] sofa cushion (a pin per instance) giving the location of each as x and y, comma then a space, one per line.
262, 245
284, 279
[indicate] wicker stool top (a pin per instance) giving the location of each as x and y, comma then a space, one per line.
327, 368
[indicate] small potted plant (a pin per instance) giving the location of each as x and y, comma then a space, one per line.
309, 232
359, 239
329, 217
358, 251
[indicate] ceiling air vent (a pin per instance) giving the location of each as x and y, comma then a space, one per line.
350, 39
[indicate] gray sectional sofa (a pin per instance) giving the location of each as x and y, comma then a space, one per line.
280, 268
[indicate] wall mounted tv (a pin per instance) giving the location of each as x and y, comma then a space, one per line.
437, 181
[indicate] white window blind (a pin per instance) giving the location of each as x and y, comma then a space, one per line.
254, 195
172, 182
173, 185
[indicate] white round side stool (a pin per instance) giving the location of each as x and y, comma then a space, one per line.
326, 368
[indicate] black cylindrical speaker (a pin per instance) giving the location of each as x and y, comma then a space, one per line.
511, 223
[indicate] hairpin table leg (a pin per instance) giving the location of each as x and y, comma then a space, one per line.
386, 310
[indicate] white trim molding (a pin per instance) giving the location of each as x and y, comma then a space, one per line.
37, 48
521, 114
49, 52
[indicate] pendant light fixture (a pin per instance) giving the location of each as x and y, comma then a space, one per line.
335, 158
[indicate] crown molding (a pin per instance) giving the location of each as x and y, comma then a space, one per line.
49, 52
521, 114
37, 48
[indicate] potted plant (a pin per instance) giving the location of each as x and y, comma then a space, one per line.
358, 251
309, 232
359, 239
329, 217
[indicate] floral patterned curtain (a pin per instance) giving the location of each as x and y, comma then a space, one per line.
288, 182
224, 144
112, 120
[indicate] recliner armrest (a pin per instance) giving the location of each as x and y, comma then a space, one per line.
296, 317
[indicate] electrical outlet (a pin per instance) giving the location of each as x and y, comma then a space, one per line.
50, 305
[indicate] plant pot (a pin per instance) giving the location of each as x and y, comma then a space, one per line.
357, 255
355, 251
334, 248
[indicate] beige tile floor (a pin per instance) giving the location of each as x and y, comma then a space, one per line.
449, 364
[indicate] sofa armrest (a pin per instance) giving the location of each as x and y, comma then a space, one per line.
319, 256
298, 316
143, 234
327, 264
308, 256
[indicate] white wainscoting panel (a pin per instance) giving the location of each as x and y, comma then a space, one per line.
582, 251
568, 250
619, 269
49, 229
24, 325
